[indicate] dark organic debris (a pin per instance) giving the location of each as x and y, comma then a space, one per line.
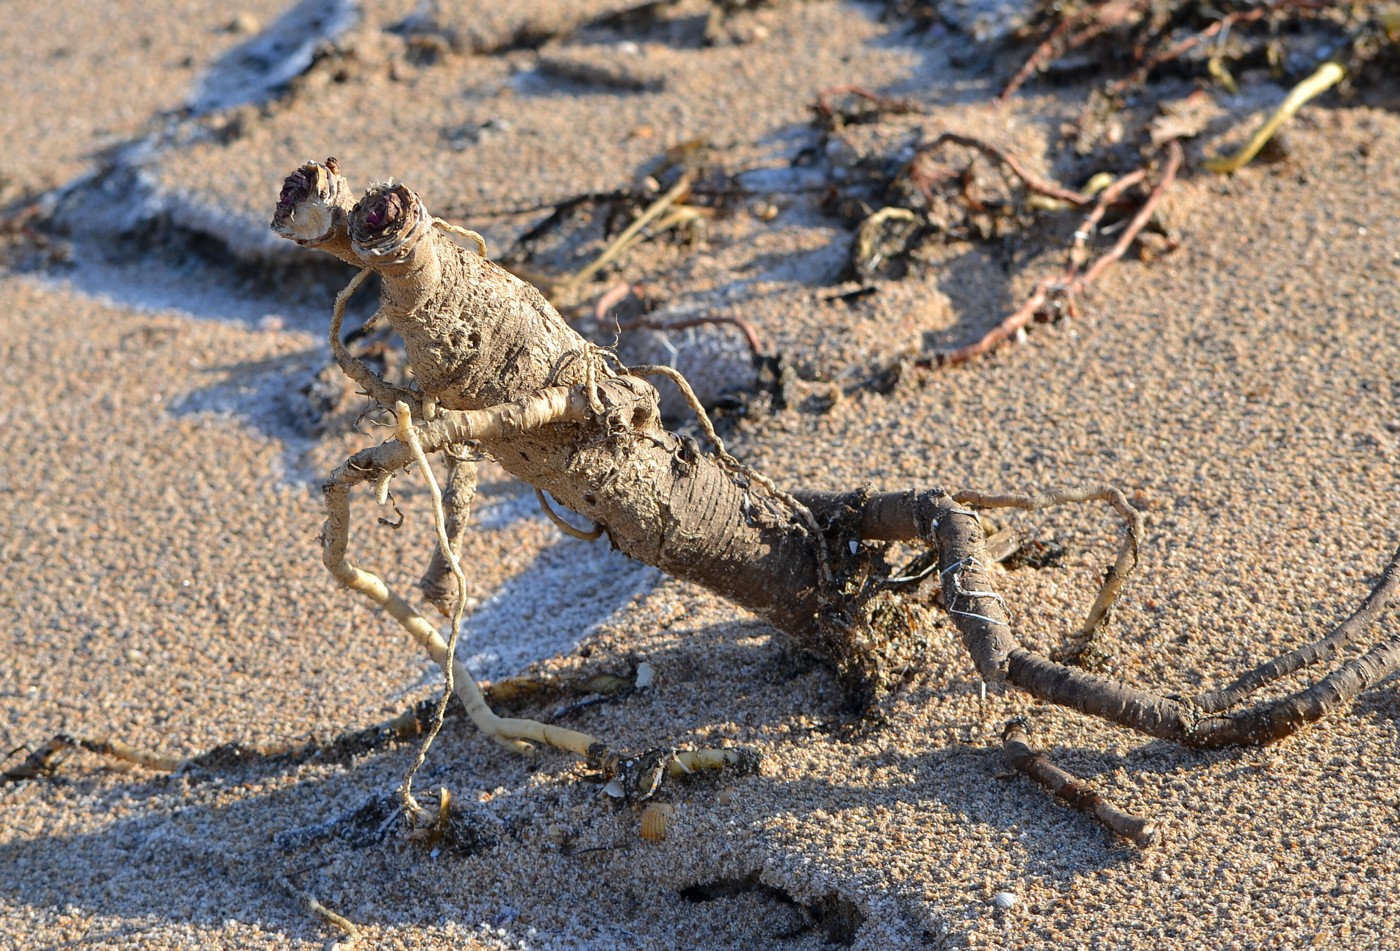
836, 919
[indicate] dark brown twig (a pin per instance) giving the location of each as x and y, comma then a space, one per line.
883, 105
43, 761
1070, 790
1032, 183
1098, 19
618, 293
1057, 295
1139, 75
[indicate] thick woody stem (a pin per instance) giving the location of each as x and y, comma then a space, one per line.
978, 612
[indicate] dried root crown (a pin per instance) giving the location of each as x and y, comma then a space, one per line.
309, 202
387, 220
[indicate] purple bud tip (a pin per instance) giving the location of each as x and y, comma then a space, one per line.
294, 191
383, 213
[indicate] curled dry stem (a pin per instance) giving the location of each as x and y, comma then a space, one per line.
980, 616
619, 292
1089, 23
1032, 183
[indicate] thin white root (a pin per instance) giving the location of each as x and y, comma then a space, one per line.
510, 732
462, 232
352, 931
407, 435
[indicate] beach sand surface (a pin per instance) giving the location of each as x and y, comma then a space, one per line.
163, 582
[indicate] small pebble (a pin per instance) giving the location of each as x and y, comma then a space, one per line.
244, 24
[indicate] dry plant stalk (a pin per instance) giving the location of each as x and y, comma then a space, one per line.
500, 371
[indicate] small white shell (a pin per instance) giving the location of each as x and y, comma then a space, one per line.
646, 675
1004, 901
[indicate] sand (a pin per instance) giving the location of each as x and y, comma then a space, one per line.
162, 573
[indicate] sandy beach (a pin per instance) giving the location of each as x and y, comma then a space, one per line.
1239, 380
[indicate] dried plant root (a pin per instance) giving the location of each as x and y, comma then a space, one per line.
590, 535
1127, 557
981, 618
313, 905
1053, 296
509, 376
1324, 78
1386, 591
45, 760
516, 735
438, 583
1073, 792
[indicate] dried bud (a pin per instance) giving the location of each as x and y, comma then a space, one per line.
386, 217
383, 212
294, 192
308, 204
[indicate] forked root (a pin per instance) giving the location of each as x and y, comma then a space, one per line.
1123, 565
516, 734
980, 616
